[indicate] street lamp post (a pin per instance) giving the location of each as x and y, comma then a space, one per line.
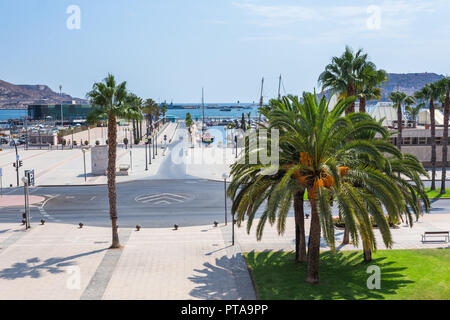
236, 143
225, 176
153, 145
84, 159
27, 205
146, 160
17, 162
131, 159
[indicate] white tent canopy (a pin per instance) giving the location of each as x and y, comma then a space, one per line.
387, 111
424, 117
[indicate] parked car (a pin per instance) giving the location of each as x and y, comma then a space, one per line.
3, 140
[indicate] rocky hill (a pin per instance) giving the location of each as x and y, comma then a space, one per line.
408, 83
19, 96
404, 82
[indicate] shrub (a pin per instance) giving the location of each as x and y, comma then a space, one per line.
86, 143
97, 143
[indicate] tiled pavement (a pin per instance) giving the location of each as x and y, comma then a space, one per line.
60, 261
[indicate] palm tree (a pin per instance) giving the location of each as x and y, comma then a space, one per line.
342, 74
398, 98
109, 102
317, 137
431, 93
413, 112
444, 86
163, 111
367, 84
250, 187
136, 103
149, 109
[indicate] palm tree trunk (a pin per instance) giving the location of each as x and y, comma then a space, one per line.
111, 172
350, 93
400, 127
312, 270
445, 142
140, 130
367, 252
346, 239
300, 243
433, 146
134, 132
362, 104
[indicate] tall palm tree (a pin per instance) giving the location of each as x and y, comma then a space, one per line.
444, 87
431, 92
318, 137
368, 81
163, 111
413, 112
399, 98
149, 109
109, 102
135, 102
250, 187
342, 74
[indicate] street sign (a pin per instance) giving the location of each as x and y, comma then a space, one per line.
30, 175
17, 157
1, 172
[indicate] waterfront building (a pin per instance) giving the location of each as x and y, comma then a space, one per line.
70, 112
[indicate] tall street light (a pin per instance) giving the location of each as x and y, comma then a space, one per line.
84, 159
27, 204
225, 176
146, 160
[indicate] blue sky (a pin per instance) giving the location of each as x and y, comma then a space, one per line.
168, 50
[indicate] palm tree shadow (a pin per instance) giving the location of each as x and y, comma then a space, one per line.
228, 279
34, 267
342, 276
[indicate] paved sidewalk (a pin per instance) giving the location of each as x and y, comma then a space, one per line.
58, 261
66, 167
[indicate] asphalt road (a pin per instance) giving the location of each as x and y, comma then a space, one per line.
171, 197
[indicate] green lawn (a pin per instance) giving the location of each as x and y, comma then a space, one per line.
437, 193
405, 275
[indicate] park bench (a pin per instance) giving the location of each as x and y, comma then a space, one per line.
436, 234
123, 169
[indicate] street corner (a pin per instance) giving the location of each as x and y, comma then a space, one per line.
19, 200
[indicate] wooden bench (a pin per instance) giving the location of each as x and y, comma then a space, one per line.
436, 234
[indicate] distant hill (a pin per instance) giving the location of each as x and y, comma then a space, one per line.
19, 96
407, 82
404, 82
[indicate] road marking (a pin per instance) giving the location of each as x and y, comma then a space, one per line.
163, 198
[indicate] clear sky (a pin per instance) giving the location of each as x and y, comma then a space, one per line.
169, 49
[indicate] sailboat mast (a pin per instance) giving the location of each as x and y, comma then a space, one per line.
203, 108
261, 100
279, 88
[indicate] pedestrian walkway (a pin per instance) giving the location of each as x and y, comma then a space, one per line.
57, 261
63, 261
66, 167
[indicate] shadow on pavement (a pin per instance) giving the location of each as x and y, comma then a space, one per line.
34, 267
222, 281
